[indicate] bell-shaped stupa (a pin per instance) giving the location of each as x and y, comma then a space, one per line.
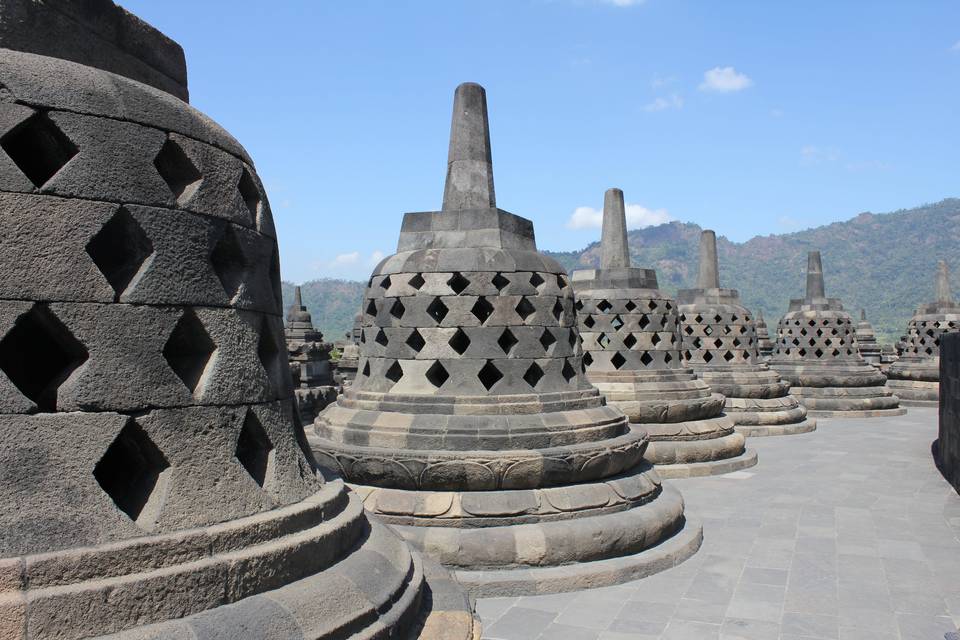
309, 358
817, 353
471, 425
764, 343
867, 340
719, 341
632, 351
915, 376
155, 481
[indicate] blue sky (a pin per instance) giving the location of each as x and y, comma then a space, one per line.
748, 117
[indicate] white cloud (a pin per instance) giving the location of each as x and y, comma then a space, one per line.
375, 258
724, 80
638, 217
346, 259
956, 46
673, 101
812, 154
355, 259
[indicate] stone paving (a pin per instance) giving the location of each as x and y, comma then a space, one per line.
846, 533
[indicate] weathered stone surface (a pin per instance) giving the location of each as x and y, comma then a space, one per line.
470, 422
867, 340
947, 447
310, 365
154, 480
817, 353
720, 342
633, 352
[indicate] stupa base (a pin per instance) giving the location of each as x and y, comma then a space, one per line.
849, 402
763, 430
745, 460
699, 448
755, 417
916, 393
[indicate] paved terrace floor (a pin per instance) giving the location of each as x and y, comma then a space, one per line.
847, 533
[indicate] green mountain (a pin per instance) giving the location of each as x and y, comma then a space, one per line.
884, 263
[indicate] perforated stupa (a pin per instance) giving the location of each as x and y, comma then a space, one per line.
632, 353
719, 341
817, 353
764, 343
867, 340
155, 481
915, 376
471, 426
309, 358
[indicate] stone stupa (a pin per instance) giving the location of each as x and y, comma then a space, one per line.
915, 376
719, 341
816, 352
309, 358
471, 427
764, 343
867, 341
632, 351
155, 481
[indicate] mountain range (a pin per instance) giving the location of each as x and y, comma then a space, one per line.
883, 263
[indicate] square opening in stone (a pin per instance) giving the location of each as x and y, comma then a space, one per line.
437, 374
38, 148
254, 448
129, 472
459, 341
178, 171
482, 309
189, 350
533, 375
119, 249
247, 187
489, 375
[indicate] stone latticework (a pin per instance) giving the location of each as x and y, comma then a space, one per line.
915, 376
817, 354
155, 481
867, 341
764, 343
719, 341
630, 334
471, 426
309, 358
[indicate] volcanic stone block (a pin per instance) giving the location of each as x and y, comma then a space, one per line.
156, 482
633, 353
947, 447
719, 340
471, 426
817, 354
914, 377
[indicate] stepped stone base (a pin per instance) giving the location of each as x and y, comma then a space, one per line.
861, 402
758, 401
762, 430
916, 393
745, 460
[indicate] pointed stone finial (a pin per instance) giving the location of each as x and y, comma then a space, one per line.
297, 301
943, 282
863, 315
814, 276
709, 275
759, 316
614, 253
469, 182
297, 312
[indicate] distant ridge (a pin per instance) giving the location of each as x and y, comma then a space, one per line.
884, 263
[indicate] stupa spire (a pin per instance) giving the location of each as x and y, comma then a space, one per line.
297, 301
863, 315
814, 276
469, 182
943, 282
708, 276
614, 253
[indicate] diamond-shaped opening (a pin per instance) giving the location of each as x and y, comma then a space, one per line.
818, 353
507, 340
646, 359
254, 448
482, 309
38, 148
578, 305
489, 375
381, 338
630, 306
458, 283
247, 187
525, 308
718, 343
644, 321
733, 318
363, 336
587, 359
588, 322
572, 337
437, 310
499, 281
459, 341
178, 171
617, 322
371, 307
728, 356
417, 281
652, 305
655, 339
557, 310
119, 249
696, 342
229, 262
189, 350
129, 472
812, 323
802, 351
547, 339
38, 354
568, 372
397, 309
707, 356
698, 319
708, 330
736, 342
603, 340
385, 283
617, 360
533, 374
366, 369
536, 280
437, 375
561, 281
717, 318
667, 358
812, 341
415, 341
395, 372
835, 352
269, 352
604, 306
630, 340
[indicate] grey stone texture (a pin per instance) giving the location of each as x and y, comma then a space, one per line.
817, 353
471, 426
155, 480
914, 377
309, 358
764, 343
947, 447
867, 340
719, 341
632, 350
